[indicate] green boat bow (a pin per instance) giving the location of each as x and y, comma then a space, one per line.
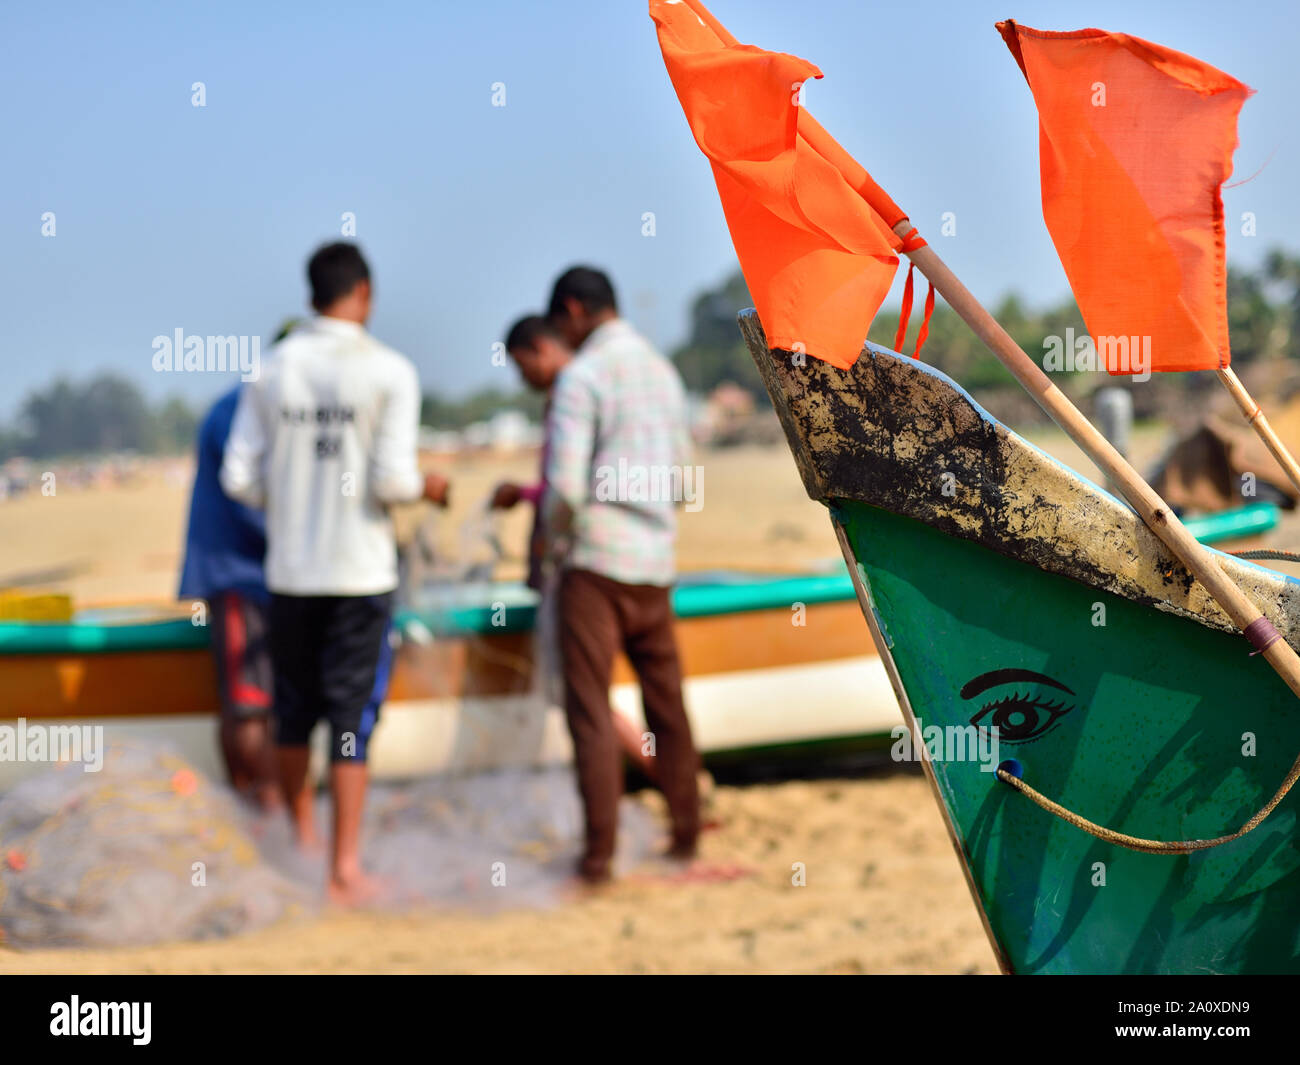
1005, 590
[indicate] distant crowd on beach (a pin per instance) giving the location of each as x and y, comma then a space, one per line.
291, 544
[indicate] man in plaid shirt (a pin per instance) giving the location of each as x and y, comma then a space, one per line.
618, 447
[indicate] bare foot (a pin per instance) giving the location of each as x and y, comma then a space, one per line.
682, 852
354, 890
706, 787
696, 871
701, 872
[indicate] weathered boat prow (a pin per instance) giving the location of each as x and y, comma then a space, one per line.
1003, 589
901, 435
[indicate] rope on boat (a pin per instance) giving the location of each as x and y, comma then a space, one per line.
1267, 555
1137, 843
1155, 846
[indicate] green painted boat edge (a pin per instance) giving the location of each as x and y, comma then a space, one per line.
707, 600
1253, 519
68, 638
179, 634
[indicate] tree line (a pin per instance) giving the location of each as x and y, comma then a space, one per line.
109, 414
1263, 319
105, 414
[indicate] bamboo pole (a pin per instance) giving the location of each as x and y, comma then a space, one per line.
1152, 509
1255, 418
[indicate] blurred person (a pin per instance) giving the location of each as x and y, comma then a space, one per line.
325, 439
225, 544
540, 353
618, 404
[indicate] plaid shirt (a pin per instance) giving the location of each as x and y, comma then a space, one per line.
617, 441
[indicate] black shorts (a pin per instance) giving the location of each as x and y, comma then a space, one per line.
241, 653
327, 652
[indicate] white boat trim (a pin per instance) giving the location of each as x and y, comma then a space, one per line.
728, 711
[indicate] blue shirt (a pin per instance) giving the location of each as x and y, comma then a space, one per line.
226, 541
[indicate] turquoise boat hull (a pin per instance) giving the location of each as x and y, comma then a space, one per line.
1031, 599
1152, 741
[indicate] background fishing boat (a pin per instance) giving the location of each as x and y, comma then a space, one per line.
1002, 588
776, 666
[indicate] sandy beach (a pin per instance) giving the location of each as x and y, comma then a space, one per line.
883, 894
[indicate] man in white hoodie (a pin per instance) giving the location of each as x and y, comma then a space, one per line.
325, 440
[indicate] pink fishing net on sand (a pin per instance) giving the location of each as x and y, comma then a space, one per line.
148, 850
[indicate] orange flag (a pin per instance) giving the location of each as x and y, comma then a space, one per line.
1135, 141
812, 231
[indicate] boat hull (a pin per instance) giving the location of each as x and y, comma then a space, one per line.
1002, 589
1155, 740
784, 672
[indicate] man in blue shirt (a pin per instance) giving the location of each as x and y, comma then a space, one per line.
224, 548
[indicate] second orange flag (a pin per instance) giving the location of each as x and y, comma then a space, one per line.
1135, 141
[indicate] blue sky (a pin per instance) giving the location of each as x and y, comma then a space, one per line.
171, 216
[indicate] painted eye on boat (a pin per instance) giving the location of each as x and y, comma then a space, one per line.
1025, 713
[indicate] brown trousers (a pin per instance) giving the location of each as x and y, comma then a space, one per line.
598, 618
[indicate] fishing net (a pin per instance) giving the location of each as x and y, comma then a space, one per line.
436, 585
492, 840
148, 850
427, 569
145, 850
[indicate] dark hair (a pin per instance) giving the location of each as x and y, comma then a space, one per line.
588, 286
334, 271
525, 332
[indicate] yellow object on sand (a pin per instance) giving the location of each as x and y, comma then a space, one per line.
30, 606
